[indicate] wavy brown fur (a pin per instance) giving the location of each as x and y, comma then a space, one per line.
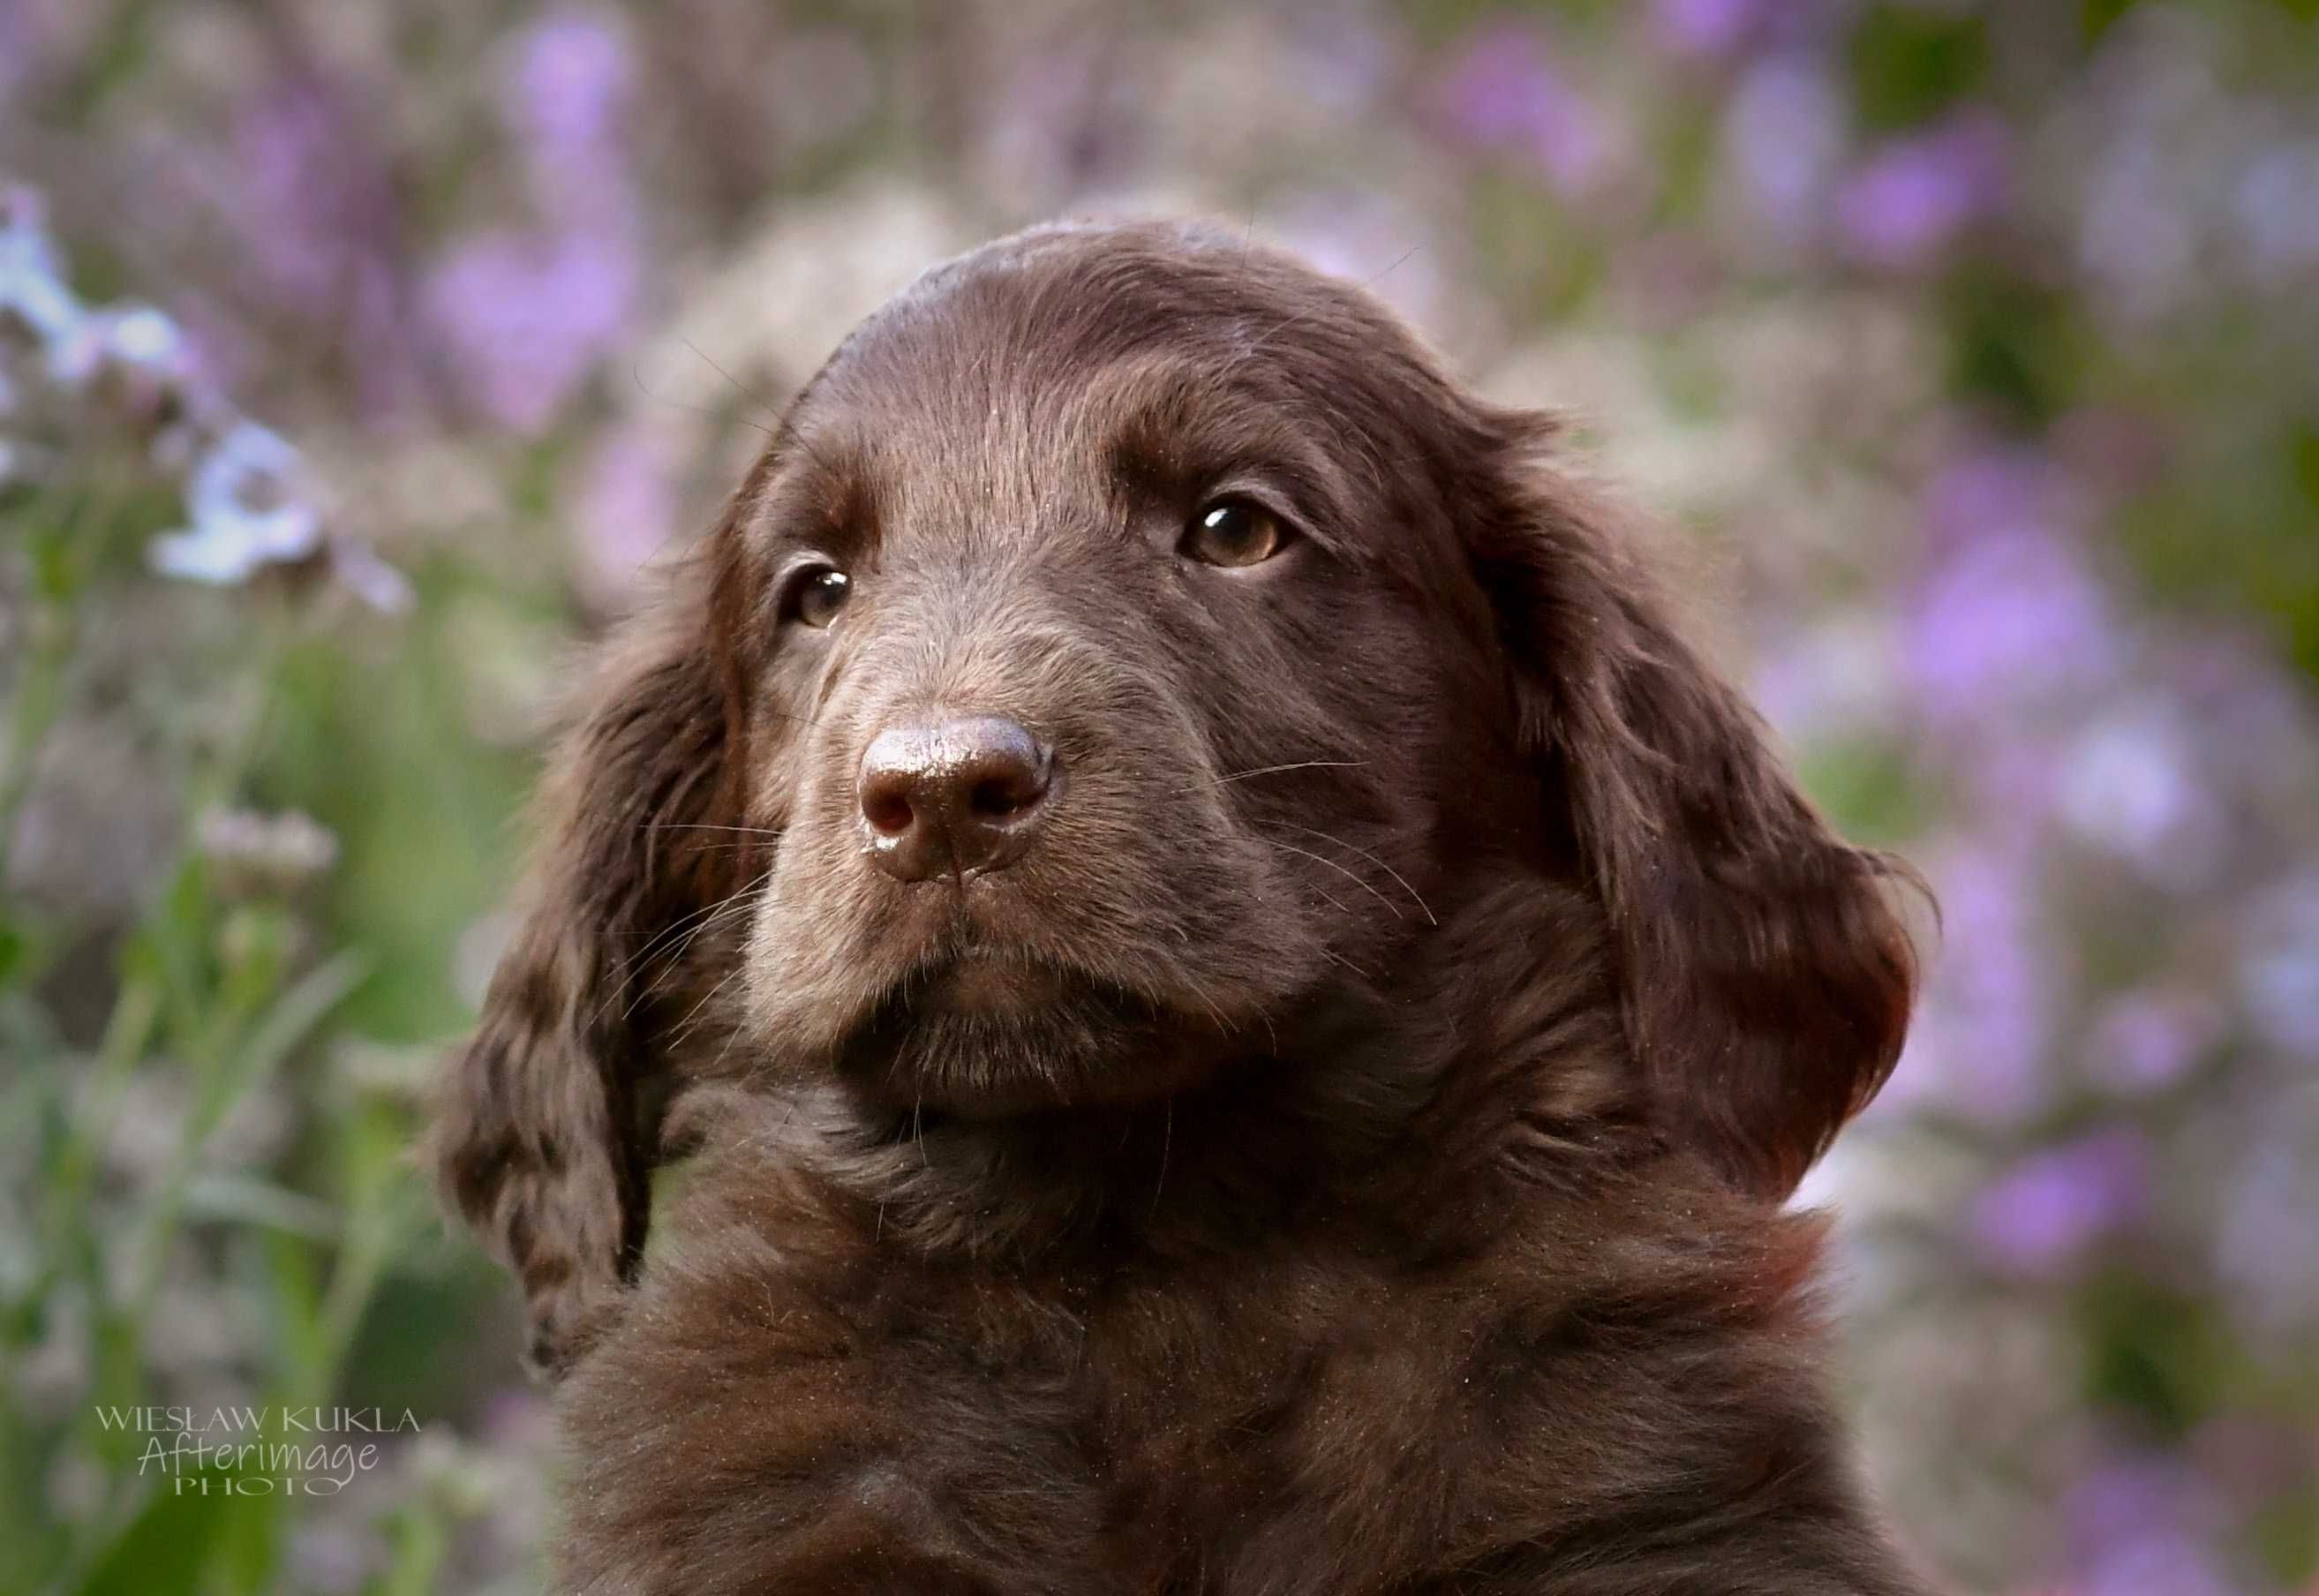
1425, 991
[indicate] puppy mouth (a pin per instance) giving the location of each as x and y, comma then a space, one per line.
986, 1030
988, 981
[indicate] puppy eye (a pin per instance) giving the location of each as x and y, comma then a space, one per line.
1233, 532
815, 595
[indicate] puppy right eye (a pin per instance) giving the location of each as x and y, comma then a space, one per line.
1233, 533
815, 595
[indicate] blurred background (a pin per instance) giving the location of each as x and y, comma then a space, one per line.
354, 357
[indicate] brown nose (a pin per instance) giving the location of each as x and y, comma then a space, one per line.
954, 796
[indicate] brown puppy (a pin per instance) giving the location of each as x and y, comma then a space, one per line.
1248, 1004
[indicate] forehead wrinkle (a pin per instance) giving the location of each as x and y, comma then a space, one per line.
961, 417
1193, 427
820, 487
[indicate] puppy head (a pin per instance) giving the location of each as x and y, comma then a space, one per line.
1129, 641
1095, 683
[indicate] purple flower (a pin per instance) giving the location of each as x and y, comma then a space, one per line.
244, 512
1709, 28
2161, 1565
528, 315
247, 504
2139, 1527
142, 365
2261, 1244
2262, 1247
1828, 679
248, 509
255, 853
2278, 968
2042, 1214
567, 90
1783, 134
2009, 619
298, 183
2277, 209
357, 568
2146, 1042
2131, 1492
1979, 1046
34, 33
526, 319
2000, 488
569, 82
36, 304
627, 506
1503, 92
2258, 731
2127, 784
2010, 616
304, 185
141, 337
1911, 198
2138, 230
1490, 93
1064, 117
1344, 57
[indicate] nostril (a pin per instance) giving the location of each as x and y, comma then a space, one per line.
1004, 797
887, 812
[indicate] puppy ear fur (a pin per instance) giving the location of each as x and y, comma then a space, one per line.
542, 1132
1765, 978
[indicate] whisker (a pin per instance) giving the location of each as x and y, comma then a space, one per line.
754, 831
717, 1063
1338, 903
674, 927
1209, 1002
1301, 765
699, 920
684, 1026
1366, 885
730, 905
772, 411
1301, 317
636, 373
1331, 836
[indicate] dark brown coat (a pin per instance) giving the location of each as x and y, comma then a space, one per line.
1342, 1152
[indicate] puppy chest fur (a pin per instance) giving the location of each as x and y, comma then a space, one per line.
1617, 1392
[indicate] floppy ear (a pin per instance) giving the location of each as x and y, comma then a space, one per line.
1765, 976
544, 1129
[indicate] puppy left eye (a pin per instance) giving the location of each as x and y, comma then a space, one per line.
815, 595
1232, 532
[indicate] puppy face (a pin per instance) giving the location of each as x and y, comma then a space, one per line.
1109, 670
1132, 650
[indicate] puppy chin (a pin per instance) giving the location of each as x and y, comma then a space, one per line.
985, 1038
